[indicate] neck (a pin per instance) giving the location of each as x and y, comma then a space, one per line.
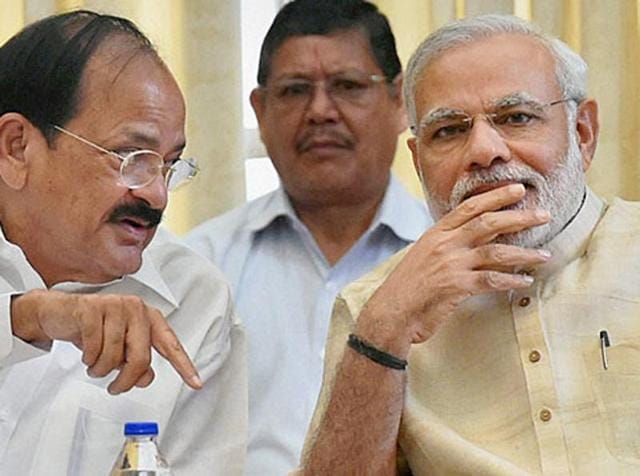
336, 228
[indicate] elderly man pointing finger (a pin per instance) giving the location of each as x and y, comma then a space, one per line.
98, 326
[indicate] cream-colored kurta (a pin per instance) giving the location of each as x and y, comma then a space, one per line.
514, 383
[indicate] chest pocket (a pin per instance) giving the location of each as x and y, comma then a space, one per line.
617, 392
85, 423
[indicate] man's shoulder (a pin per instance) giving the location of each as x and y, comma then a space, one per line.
214, 236
622, 215
173, 260
610, 264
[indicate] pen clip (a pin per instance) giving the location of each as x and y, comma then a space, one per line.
604, 343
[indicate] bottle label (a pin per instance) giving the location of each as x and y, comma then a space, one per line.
140, 455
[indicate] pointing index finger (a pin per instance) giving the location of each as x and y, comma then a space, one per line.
164, 340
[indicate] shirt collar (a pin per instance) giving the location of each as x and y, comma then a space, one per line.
406, 222
274, 205
147, 283
148, 276
574, 239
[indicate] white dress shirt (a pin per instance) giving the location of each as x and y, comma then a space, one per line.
55, 420
284, 289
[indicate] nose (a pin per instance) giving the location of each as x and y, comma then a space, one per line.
321, 107
484, 145
155, 193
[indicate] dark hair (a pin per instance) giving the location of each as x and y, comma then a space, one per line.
323, 17
41, 66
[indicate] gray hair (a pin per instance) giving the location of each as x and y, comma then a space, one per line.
571, 70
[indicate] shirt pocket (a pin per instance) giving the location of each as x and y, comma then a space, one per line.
83, 431
617, 393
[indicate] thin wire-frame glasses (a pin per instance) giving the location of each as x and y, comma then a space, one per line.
447, 130
141, 167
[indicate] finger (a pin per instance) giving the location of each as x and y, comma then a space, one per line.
146, 378
491, 281
477, 205
112, 353
167, 344
91, 322
488, 226
137, 353
500, 257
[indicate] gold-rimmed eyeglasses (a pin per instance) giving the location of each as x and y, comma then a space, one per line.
139, 168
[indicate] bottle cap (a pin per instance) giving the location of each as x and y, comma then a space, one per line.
140, 428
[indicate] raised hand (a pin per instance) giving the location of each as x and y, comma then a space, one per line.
452, 261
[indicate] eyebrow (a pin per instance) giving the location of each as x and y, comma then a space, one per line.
440, 114
310, 76
519, 98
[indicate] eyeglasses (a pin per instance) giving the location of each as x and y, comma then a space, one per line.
350, 87
139, 168
515, 118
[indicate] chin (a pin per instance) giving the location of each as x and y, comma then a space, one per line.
531, 238
123, 264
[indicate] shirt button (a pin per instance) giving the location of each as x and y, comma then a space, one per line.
524, 302
534, 356
545, 414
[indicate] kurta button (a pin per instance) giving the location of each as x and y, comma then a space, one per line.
534, 356
545, 414
524, 302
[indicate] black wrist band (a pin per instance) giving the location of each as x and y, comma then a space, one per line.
377, 355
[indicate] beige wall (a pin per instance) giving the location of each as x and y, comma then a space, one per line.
200, 40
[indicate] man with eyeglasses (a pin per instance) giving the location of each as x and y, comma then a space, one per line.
329, 107
99, 325
505, 340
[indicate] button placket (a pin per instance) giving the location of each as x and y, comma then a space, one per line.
525, 308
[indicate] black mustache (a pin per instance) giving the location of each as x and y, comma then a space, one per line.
307, 138
141, 210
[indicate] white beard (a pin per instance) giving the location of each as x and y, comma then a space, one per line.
560, 193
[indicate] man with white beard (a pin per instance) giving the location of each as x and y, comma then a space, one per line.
505, 340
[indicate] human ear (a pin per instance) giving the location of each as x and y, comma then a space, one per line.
412, 143
257, 99
402, 121
587, 128
15, 133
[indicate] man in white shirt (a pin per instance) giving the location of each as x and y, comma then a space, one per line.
98, 328
330, 109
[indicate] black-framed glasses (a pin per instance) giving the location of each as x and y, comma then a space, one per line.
351, 87
515, 118
139, 168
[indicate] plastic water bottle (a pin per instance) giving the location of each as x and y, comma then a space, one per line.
140, 455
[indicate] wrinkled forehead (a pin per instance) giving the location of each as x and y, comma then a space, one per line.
472, 75
128, 93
